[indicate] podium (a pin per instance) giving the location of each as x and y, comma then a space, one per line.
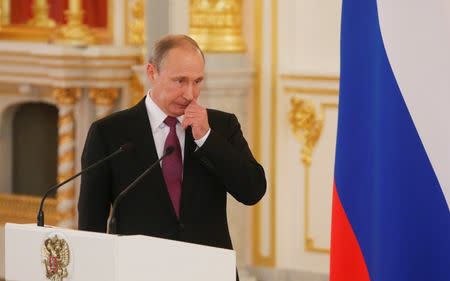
32, 253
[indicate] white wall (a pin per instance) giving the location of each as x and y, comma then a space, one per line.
305, 66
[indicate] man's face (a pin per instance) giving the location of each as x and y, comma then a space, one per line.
178, 81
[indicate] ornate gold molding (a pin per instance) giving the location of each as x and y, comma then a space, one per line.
65, 79
69, 57
75, 32
311, 90
217, 25
302, 77
135, 24
66, 96
41, 18
64, 65
106, 96
104, 100
306, 125
22, 209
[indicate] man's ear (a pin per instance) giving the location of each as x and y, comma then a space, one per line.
151, 72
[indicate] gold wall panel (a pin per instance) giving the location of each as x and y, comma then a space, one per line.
217, 25
23, 209
307, 124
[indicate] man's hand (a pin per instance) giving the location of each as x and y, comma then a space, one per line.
196, 117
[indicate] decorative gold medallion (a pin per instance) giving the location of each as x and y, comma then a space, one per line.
55, 255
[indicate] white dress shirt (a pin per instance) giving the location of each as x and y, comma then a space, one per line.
160, 130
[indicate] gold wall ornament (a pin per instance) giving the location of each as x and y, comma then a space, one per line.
102, 96
75, 32
104, 100
136, 25
55, 254
65, 196
66, 96
41, 18
216, 25
306, 125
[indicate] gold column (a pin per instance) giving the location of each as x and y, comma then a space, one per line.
217, 25
75, 32
40, 17
66, 99
104, 100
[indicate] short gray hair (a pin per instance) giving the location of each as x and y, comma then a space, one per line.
162, 47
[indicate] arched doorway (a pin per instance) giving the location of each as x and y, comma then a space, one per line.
34, 146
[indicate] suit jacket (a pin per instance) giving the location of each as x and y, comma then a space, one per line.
223, 164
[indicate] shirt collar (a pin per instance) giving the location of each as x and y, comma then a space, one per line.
156, 115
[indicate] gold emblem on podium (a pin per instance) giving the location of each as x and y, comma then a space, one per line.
55, 257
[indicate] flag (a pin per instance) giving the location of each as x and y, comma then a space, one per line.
391, 196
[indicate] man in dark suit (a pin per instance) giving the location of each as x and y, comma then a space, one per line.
185, 197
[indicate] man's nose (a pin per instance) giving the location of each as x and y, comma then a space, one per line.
189, 93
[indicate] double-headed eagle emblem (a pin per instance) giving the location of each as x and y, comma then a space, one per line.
55, 257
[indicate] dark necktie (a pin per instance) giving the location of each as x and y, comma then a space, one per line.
172, 165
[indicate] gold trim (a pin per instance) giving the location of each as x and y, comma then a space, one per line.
67, 96
125, 28
23, 208
70, 78
257, 121
25, 33
104, 96
64, 65
326, 105
309, 77
70, 57
311, 90
309, 242
274, 104
110, 24
258, 258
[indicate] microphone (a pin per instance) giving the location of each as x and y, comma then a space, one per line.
112, 224
40, 216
